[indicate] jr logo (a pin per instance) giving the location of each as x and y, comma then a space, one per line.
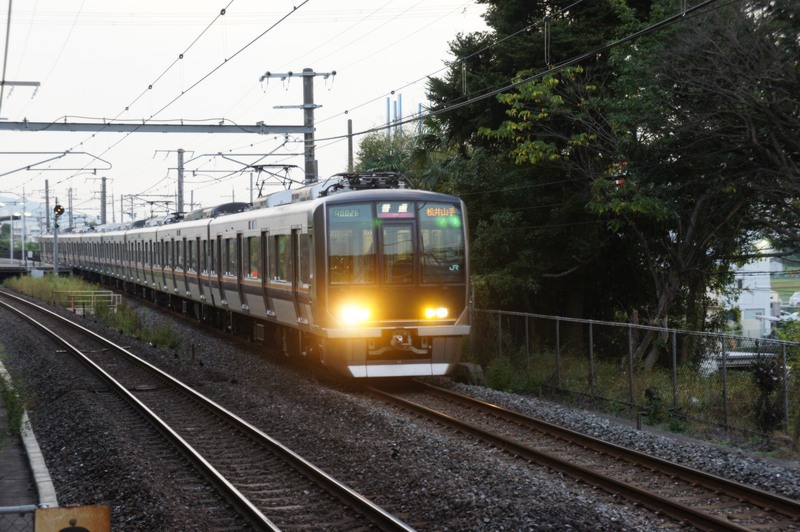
454, 268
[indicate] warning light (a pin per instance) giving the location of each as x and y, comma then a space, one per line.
58, 210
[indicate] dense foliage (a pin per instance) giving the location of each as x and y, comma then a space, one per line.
614, 177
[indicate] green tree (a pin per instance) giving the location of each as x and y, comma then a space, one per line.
535, 245
705, 117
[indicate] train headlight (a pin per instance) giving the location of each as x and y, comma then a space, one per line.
440, 313
354, 314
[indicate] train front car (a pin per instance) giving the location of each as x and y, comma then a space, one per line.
393, 282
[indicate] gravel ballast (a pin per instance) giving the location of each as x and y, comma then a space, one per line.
428, 477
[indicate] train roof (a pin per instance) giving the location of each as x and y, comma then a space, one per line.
335, 184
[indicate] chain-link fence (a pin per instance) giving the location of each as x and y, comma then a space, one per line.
17, 518
666, 375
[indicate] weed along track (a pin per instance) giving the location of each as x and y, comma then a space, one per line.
684, 494
270, 486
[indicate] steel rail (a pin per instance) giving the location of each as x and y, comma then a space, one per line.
378, 515
244, 505
743, 492
650, 500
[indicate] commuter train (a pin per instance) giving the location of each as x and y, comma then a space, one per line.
359, 272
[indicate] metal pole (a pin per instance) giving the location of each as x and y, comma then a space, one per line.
24, 229
630, 364
55, 244
103, 202
472, 330
47, 204
499, 335
558, 353
674, 370
527, 348
724, 385
11, 237
349, 144
308, 116
785, 393
180, 180
591, 360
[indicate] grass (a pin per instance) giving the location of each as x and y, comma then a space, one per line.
785, 286
698, 397
124, 318
42, 288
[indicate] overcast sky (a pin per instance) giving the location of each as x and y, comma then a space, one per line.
96, 59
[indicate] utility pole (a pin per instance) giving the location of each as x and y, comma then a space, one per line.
103, 203
180, 180
58, 210
308, 107
47, 203
349, 144
69, 198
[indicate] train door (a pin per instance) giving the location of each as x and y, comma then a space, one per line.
202, 269
151, 262
240, 261
180, 266
300, 274
264, 257
397, 240
163, 256
218, 265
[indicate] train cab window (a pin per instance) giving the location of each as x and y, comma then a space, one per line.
351, 244
251, 266
442, 237
279, 263
398, 254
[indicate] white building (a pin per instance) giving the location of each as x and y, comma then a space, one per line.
752, 296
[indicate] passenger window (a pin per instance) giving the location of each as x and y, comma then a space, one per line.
253, 266
230, 256
191, 259
212, 266
305, 258
279, 267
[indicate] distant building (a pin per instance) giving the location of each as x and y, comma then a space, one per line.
753, 296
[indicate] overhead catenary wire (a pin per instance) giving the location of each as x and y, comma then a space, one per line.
539, 75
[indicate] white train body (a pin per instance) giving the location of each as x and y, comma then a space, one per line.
368, 277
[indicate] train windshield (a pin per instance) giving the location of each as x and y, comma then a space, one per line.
392, 234
442, 243
351, 248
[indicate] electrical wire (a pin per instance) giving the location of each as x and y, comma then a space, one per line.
539, 75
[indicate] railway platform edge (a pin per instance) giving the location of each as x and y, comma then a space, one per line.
24, 477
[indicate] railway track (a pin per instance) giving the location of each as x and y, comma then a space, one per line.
687, 495
271, 486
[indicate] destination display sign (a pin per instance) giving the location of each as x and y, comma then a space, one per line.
357, 212
396, 209
440, 210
